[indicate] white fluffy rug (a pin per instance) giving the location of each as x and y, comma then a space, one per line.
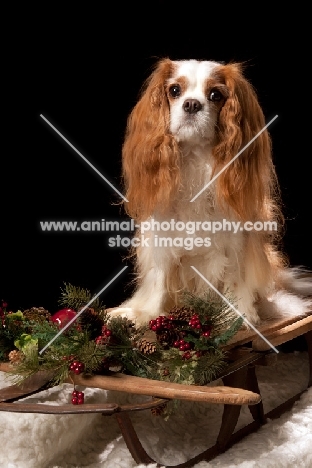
73, 441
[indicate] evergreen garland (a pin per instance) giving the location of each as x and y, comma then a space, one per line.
185, 347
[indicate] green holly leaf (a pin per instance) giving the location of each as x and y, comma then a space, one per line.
24, 341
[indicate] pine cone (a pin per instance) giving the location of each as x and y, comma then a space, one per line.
146, 347
37, 314
15, 357
90, 321
181, 313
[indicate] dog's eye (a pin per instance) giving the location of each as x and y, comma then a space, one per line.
175, 91
215, 95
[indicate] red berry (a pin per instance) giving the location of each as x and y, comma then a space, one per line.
108, 333
186, 355
182, 347
72, 367
75, 393
75, 401
77, 371
187, 346
176, 344
206, 334
198, 326
80, 401
80, 366
80, 394
181, 342
154, 327
152, 322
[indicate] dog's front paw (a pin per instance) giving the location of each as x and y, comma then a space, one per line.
127, 312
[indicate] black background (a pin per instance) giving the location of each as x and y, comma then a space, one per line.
83, 70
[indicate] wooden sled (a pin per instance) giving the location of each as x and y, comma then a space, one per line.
246, 351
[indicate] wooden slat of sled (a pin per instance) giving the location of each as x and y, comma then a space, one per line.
31, 385
265, 328
5, 367
148, 387
283, 334
106, 409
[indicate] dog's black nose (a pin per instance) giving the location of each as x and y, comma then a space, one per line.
192, 106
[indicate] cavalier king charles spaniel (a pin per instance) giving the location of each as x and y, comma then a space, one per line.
200, 180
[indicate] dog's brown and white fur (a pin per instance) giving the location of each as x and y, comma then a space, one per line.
192, 119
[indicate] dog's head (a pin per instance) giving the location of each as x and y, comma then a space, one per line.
203, 103
195, 95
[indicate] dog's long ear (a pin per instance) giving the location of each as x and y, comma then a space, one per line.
150, 153
249, 183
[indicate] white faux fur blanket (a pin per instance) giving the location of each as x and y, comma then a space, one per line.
73, 441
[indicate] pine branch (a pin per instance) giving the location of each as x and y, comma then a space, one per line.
209, 367
66, 343
28, 366
75, 298
122, 330
92, 356
229, 333
212, 307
